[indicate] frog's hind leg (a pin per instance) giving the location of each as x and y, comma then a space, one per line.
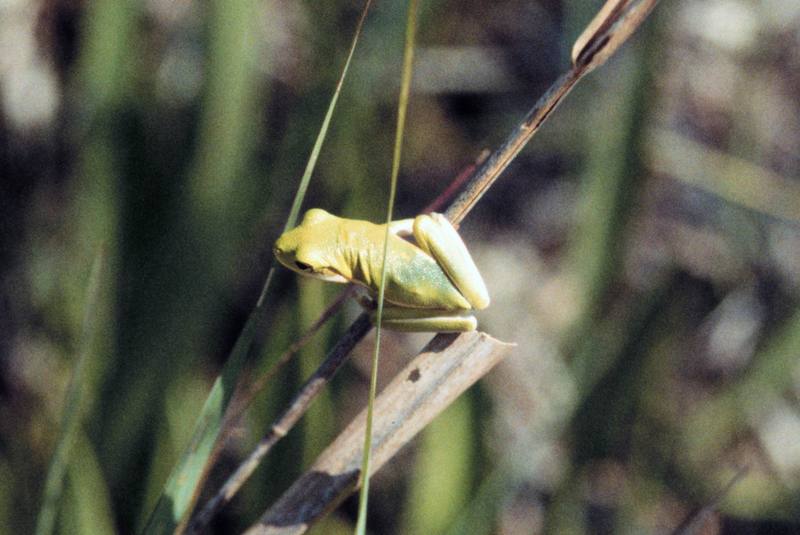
411, 320
436, 236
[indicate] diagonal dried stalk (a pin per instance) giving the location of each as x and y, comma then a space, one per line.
604, 35
613, 25
447, 366
300, 403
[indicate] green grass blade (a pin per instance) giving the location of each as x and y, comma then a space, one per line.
441, 479
479, 516
87, 498
54, 484
183, 485
405, 89
312, 160
181, 488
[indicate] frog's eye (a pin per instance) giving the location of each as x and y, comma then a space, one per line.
302, 266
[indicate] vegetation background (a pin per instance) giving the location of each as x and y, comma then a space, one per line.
643, 252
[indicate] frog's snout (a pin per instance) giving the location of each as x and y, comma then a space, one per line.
277, 252
280, 248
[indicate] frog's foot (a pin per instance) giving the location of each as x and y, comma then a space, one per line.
424, 320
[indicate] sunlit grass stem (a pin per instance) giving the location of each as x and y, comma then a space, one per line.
405, 89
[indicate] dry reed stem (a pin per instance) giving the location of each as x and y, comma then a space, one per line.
300, 403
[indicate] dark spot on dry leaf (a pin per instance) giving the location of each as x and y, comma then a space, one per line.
414, 375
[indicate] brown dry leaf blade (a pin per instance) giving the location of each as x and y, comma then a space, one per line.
435, 378
611, 27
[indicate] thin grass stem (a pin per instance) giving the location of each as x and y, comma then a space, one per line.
402, 108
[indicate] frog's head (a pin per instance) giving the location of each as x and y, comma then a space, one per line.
306, 248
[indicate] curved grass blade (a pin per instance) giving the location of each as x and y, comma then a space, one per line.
54, 484
183, 485
402, 106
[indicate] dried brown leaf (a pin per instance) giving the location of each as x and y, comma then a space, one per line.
611, 27
435, 378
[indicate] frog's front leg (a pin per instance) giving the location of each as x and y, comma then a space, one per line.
398, 318
436, 236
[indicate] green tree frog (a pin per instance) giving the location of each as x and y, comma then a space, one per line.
431, 285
